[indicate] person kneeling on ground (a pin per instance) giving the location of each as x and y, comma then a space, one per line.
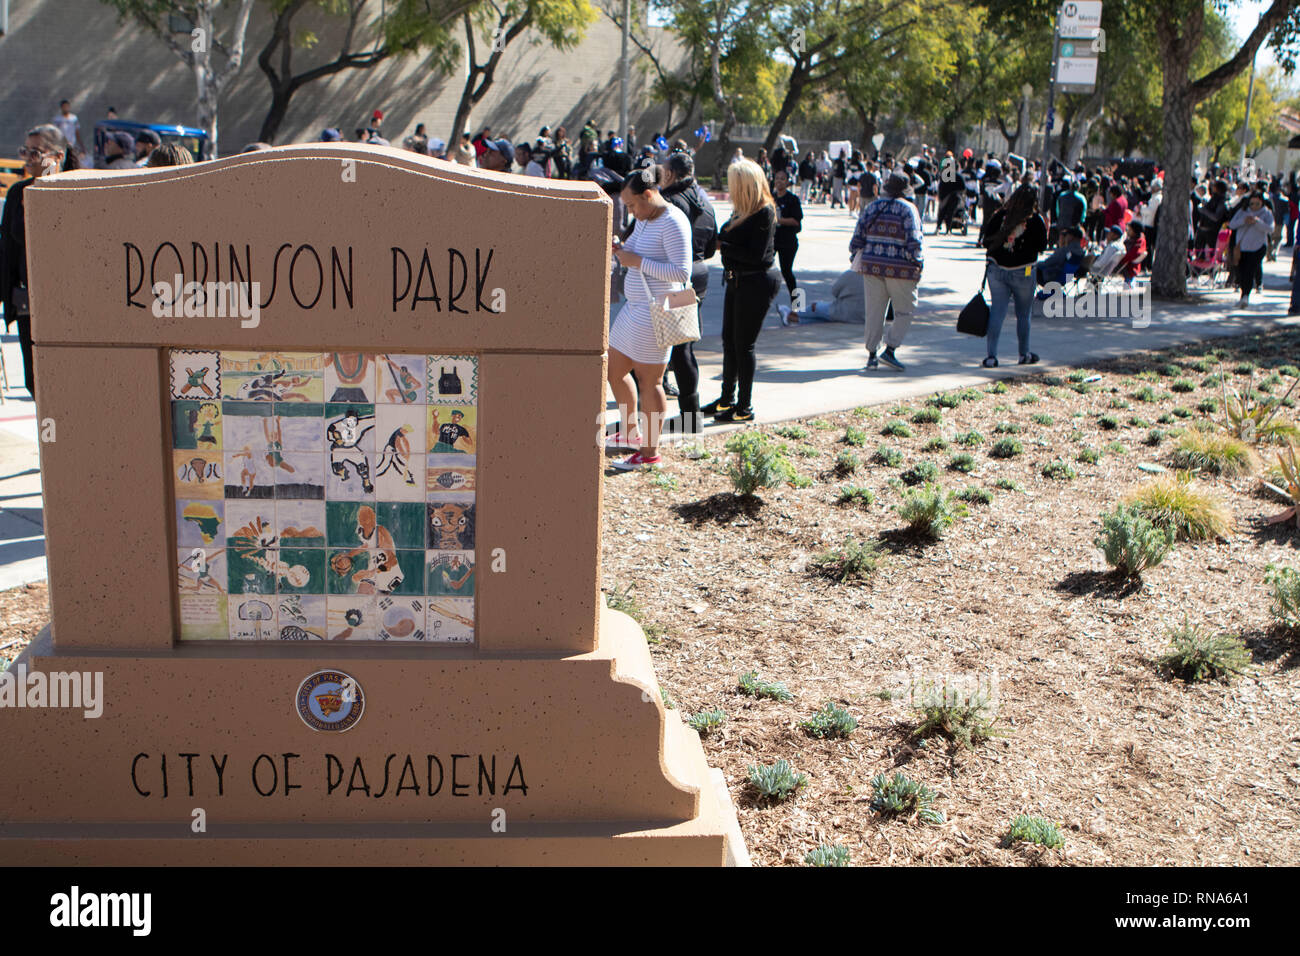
848, 305
886, 249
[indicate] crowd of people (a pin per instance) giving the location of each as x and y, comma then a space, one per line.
1038, 227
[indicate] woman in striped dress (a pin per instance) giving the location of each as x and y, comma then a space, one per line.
659, 250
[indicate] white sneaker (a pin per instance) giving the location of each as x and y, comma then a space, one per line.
784, 312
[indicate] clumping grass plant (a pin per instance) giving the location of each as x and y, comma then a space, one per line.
1176, 502
1217, 453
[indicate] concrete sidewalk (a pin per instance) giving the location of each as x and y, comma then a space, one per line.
819, 367
802, 370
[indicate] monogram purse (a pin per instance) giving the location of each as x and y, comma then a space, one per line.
676, 319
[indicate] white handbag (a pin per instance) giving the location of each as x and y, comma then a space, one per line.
676, 319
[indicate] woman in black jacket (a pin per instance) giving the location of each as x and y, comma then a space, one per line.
46, 151
746, 241
1016, 237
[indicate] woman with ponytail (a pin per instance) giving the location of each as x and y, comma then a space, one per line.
1015, 237
659, 252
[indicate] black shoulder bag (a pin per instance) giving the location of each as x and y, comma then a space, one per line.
974, 318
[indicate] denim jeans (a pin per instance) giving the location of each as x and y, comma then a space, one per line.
1295, 281
1005, 285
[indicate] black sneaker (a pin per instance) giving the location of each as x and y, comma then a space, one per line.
715, 407
887, 356
669, 388
735, 415
872, 361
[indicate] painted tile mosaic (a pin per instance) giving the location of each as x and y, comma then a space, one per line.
324, 496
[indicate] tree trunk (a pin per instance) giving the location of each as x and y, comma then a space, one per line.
281, 94
202, 61
1169, 262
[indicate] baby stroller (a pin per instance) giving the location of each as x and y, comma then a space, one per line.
954, 216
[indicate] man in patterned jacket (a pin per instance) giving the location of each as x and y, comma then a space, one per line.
886, 249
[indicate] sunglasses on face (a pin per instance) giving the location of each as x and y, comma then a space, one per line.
26, 152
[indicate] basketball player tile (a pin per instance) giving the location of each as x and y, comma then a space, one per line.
399, 573
198, 475
300, 617
399, 618
349, 571
403, 522
350, 377
449, 620
195, 375
351, 617
203, 617
201, 570
196, 425
453, 379
401, 379
251, 617
200, 524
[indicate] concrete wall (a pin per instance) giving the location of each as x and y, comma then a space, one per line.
76, 49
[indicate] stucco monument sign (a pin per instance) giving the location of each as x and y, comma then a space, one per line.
323, 516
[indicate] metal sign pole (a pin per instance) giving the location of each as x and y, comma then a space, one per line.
1051, 113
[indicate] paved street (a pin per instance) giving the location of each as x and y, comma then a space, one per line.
802, 370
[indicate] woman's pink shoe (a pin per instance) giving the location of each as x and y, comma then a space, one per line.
637, 460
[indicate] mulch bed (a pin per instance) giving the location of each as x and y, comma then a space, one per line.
24, 611
1135, 768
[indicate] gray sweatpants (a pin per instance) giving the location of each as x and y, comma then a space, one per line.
878, 292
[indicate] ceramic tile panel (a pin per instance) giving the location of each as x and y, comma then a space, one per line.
453, 379
324, 496
301, 617
204, 617
401, 379
200, 523
195, 376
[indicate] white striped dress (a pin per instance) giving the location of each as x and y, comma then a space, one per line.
664, 243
